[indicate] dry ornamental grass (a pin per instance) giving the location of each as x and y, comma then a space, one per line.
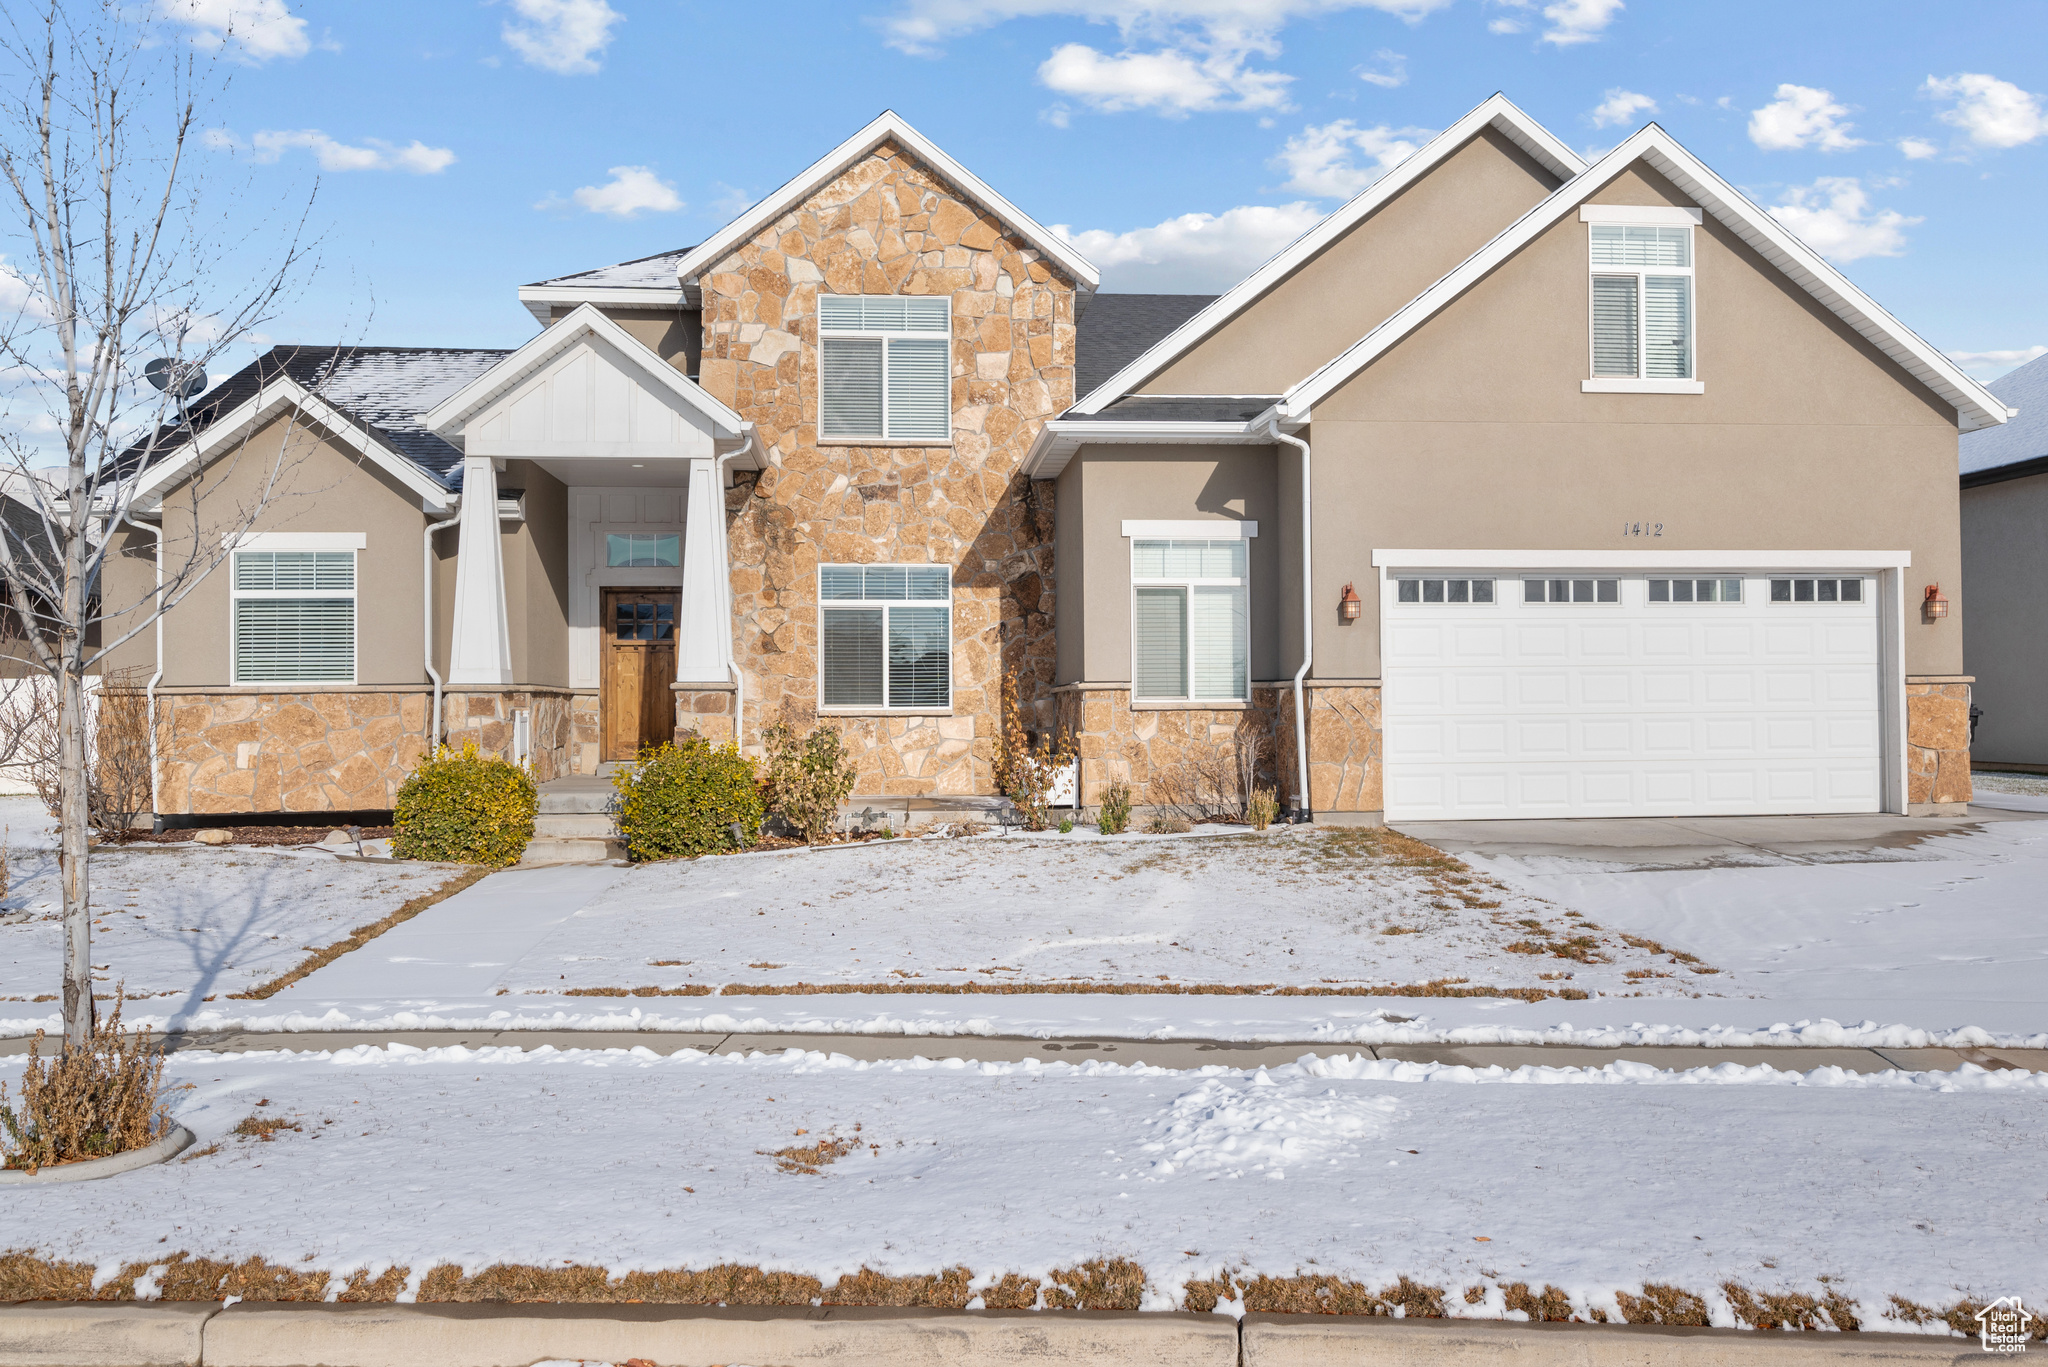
95, 1102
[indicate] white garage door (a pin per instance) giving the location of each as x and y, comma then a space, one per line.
1644, 694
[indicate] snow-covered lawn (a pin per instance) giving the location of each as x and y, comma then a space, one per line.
1328, 911
186, 922
1924, 1186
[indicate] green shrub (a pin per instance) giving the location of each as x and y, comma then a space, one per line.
808, 775
1114, 818
682, 800
465, 807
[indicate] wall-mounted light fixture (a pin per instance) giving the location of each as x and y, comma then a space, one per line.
1934, 607
1350, 606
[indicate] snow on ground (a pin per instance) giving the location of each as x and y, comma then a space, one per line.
1921, 1185
185, 921
1333, 909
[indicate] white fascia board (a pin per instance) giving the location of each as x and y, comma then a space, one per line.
1057, 441
1499, 111
273, 398
1975, 406
1641, 560
1217, 529
540, 300
887, 125
448, 417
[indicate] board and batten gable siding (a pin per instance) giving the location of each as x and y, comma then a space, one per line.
1364, 276
590, 395
1473, 432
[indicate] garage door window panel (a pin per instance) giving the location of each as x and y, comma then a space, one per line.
1190, 621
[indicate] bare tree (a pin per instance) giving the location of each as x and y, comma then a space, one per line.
121, 257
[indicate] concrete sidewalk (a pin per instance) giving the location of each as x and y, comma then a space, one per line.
1178, 1053
255, 1334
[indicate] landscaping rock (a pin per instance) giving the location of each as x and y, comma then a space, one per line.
213, 837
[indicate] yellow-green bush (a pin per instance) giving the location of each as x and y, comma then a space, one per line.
681, 800
465, 807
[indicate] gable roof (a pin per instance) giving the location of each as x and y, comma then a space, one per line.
644, 282
1117, 328
370, 398
1975, 407
1498, 112
448, 416
888, 126
2020, 447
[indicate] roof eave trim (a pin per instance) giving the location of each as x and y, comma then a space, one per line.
1975, 406
1059, 439
447, 418
888, 124
1498, 111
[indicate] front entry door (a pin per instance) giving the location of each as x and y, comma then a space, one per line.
637, 706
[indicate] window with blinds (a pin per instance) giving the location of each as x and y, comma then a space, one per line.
294, 616
885, 367
885, 636
1642, 302
1190, 624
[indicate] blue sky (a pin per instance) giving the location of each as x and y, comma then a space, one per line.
470, 147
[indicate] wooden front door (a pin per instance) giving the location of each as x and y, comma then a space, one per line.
637, 707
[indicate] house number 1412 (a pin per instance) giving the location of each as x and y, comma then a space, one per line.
1642, 529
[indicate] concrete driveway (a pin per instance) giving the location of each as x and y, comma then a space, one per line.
1706, 842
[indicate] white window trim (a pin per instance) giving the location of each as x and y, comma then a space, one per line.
886, 336
1641, 215
1192, 700
818, 585
352, 542
1189, 531
1640, 383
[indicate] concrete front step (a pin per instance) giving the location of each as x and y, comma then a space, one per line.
547, 849
576, 825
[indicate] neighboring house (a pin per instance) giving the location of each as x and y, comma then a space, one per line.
2005, 566
1546, 489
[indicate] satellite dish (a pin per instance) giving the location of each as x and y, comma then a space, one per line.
179, 379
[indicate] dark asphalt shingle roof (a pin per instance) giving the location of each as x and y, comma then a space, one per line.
389, 390
1116, 329
2018, 440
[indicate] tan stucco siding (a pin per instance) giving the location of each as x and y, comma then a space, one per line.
1070, 531
127, 581
1164, 483
1473, 432
675, 335
536, 557
321, 486
2005, 563
1362, 277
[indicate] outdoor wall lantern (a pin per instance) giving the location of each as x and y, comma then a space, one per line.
1934, 606
1349, 606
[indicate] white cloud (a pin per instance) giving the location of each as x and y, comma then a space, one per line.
257, 29
1833, 216
1992, 112
1196, 253
1322, 161
1173, 83
374, 155
1918, 149
564, 36
921, 26
631, 191
1621, 106
1578, 21
1801, 117
1989, 365
1505, 26
1395, 72
22, 295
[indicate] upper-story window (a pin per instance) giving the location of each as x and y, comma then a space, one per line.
1642, 298
885, 368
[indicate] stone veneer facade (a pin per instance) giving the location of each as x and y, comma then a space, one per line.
343, 750
1937, 741
890, 225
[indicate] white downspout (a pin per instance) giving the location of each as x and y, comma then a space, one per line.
739, 680
427, 616
1308, 622
149, 691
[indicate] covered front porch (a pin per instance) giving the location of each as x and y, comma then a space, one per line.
619, 599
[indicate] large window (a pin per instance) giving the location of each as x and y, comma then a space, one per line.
1642, 302
885, 368
886, 636
294, 616
1190, 628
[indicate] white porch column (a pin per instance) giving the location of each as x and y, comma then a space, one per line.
703, 634
480, 648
